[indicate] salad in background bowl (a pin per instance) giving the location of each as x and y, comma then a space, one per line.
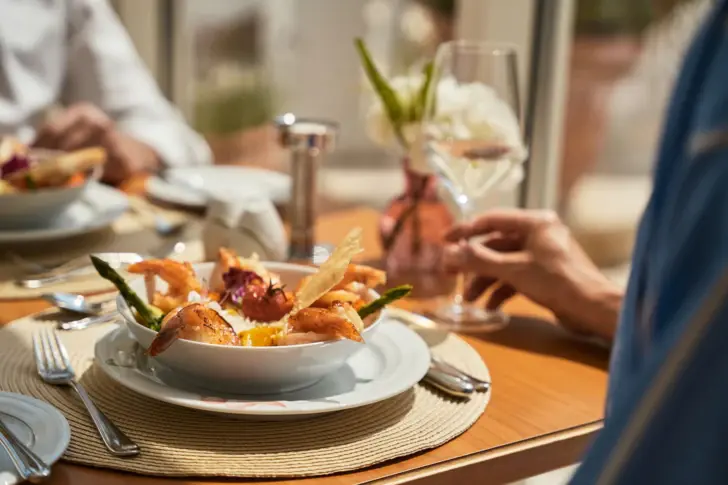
38, 185
235, 326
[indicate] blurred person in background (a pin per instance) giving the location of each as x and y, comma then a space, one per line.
70, 78
666, 407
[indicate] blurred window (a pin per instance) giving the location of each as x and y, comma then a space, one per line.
625, 57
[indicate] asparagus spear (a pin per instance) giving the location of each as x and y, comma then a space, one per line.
152, 317
387, 297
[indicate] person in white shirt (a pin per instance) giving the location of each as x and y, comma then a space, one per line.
76, 55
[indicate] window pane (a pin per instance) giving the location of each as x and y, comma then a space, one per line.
625, 57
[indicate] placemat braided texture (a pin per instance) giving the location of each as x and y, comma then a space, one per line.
183, 442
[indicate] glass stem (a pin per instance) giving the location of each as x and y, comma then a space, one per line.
458, 297
466, 215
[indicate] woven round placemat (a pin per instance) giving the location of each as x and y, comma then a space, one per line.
177, 441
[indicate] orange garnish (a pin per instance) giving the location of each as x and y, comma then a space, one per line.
75, 180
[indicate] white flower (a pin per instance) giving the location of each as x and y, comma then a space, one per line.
475, 111
464, 111
379, 127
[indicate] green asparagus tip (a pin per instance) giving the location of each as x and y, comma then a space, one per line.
151, 316
387, 297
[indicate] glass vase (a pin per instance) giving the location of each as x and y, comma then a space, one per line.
413, 226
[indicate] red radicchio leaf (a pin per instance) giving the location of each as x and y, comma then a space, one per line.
15, 164
236, 281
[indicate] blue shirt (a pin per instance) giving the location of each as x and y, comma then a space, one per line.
667, 410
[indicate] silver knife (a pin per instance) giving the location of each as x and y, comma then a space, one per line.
27, 463
86, 322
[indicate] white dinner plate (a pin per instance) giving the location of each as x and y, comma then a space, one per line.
98, 208
38, 425
192, 186
394, 360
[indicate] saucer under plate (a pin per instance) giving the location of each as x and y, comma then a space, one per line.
36, 424
394, 360
98, 208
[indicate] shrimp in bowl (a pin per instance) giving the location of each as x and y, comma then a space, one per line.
256, 330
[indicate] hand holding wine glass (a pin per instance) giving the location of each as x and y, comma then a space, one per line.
473, 141
533, 253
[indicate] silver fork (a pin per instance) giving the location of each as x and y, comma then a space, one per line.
55, 368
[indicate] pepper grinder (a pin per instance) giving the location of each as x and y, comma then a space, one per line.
309, 140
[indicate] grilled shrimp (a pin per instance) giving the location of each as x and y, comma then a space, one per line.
227, 259
195, 322
332, 323
371, 277
180, 278
343, 296
298, 338
356, 275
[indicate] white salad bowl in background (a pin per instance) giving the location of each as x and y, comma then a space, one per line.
248, 370
37, 208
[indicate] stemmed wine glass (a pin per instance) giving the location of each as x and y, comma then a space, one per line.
473, 140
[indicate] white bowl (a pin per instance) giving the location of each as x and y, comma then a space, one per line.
38, 208
248, 370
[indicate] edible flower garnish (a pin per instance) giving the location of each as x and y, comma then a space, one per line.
236, 282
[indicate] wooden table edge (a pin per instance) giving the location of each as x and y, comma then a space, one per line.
498, 465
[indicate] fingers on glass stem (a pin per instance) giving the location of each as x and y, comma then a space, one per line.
477, 287
499, 296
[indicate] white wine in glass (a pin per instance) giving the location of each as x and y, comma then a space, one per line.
473, 140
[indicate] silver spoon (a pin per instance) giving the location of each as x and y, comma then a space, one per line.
448, 383
74, 303
93, 311
479, 384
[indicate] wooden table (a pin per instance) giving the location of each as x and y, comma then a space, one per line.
548, 395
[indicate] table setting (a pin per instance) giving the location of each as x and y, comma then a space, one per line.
94, 346
187, 330
369, 390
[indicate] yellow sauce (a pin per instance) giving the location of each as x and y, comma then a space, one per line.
259, 337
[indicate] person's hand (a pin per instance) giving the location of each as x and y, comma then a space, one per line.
84, 125
533, 253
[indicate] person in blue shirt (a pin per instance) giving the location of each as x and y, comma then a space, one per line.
667, 407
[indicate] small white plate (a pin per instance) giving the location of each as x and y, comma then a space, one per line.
40, 426
394, 360
192, 186
98, 208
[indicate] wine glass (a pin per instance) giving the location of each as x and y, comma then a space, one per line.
473, 141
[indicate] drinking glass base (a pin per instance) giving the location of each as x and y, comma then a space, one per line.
468, 318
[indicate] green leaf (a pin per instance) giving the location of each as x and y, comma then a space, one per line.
387, 297
386, 94
421, 99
